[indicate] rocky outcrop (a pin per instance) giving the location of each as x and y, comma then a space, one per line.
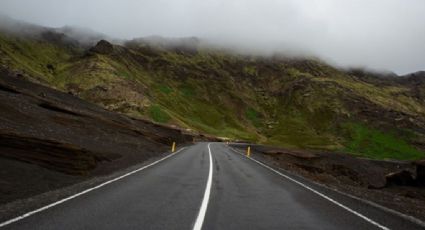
102, 47
420, 172
403, 178
54, 155
408, 178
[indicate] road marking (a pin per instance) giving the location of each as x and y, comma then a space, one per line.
319, 193
204, 205
84, 192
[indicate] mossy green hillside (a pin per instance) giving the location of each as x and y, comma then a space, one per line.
296, 103
373, 143
38, 58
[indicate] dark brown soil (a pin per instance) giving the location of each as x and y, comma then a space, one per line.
50, 139
364, 178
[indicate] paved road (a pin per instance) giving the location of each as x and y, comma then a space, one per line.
185, 192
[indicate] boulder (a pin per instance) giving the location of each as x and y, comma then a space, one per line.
420, 172
103, 47
402, 177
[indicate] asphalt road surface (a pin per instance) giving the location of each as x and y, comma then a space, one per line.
209, 186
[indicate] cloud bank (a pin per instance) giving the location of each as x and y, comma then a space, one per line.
380, 34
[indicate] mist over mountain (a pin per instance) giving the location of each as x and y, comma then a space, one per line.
68, 34
381, 35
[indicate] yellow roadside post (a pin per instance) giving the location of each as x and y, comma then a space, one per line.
248, 151
173, 148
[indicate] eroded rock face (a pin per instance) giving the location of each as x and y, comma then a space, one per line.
103, 47
53, 155
62, 133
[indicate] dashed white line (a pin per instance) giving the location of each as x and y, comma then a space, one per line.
320, 194
202, 211
84, 192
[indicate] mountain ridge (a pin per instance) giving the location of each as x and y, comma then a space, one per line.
286, 101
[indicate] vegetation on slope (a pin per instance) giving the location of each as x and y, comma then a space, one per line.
295, 103
376, 144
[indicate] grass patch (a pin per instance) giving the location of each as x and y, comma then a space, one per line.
187, 91
158, 115
252, 115
250, 70
376, 144
165, 89
124, 74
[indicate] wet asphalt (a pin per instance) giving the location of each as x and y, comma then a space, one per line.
244, 195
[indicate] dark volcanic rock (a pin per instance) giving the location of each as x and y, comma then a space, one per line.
54, 133
402, 177
53, 155
420, 172
34, 116
53, 37
103, 47
415, 78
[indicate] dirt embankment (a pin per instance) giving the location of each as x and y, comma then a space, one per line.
50, 139
398, 185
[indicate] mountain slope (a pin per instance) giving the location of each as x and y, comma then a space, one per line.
291, 102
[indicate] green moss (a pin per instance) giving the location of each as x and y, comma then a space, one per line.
253, 116
391, 97
372, 143
165, 89
33, 56
157, 114
294, 131
187, 91
293, 72
250, 70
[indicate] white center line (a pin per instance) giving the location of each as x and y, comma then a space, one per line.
204, 205
319, 193
84, 192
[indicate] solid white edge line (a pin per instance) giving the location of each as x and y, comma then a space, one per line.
18, 218
202, 211
318, 193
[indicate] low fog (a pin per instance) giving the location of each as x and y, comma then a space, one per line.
378, 34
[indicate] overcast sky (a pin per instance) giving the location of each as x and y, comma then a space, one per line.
381, 34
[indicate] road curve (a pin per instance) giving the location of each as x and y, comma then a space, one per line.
235, 193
